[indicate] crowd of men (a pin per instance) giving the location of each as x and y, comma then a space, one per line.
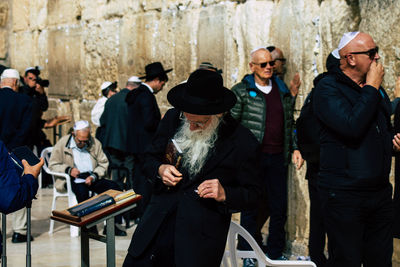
232, 150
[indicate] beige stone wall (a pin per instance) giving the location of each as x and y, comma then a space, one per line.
80, 44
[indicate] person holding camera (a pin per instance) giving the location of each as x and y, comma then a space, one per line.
34, 88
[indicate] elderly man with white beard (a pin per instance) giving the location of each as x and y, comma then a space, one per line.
187, 220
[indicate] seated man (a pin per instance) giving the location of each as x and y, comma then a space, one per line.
81, 156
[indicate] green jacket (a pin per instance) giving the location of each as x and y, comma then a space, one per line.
250, 110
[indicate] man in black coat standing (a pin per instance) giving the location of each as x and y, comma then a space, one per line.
187, 220
356, 143
144, 117
114, 122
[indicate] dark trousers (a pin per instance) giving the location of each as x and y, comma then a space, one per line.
141, 185
121, 165
316, 241
359, 227
99, 186
273, 174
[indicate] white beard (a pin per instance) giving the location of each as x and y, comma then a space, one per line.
196, 145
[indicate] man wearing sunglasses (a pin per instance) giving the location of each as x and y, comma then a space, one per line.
265, 106
356, 145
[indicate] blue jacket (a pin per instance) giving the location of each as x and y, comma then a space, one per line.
356, 134
16, 191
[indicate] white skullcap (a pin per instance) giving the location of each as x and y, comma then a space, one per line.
134, 79
105, 85
335, 53
257, 48
79, 125
10, 73
346, 38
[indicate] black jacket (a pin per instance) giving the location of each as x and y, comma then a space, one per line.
15, 118
144, 117
356, 134
201, 224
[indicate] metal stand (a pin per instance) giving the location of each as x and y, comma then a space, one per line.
4, 229
28, 238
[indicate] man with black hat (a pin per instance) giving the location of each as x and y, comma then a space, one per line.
144, 116
187, 220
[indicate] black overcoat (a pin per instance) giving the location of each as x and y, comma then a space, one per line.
144, 117
201, 224
15, 118
114, 122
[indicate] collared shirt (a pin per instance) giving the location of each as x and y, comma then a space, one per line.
98, 109
148, 86
82, 160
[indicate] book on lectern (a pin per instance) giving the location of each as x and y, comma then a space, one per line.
91, 205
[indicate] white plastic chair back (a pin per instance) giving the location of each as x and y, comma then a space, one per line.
69, 194
232, 255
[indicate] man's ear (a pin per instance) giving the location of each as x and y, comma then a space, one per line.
350, 60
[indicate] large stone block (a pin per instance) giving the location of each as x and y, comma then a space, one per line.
64, 62
20, 14
63, 12
22, 50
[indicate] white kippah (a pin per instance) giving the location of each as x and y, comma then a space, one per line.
134, 79
257, 48
105, 85
335, 53
29, 68
346, 38
10, 73
79, 125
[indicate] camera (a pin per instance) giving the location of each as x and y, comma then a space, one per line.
43, 83
40, 81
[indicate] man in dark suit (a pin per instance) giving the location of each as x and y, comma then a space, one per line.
15, 122
114, 122
144, 117
187, 220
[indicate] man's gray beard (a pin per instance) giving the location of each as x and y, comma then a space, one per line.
196, 145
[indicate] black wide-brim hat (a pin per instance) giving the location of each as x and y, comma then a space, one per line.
202, 94
154, 70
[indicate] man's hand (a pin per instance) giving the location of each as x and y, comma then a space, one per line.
295, 84
396, 142
89, 180
397, 88
39, 89
74, 172
297, 159
375, 75
34, 170
169, 175
212, 189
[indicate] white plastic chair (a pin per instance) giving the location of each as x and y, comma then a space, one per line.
232, 254
70, 194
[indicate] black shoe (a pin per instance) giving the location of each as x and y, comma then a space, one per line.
118, 232
19, 238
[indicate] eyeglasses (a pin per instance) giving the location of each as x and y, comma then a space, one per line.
371, 53
264, 64
199, 124
281, 59
81, 141
31, 78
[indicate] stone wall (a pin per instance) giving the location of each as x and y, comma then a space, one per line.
80, 44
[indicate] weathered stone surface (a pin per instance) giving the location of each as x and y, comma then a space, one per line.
3, 14
3, 43
80, 44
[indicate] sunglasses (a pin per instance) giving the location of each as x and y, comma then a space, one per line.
281, 59
371, 53
264, 64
